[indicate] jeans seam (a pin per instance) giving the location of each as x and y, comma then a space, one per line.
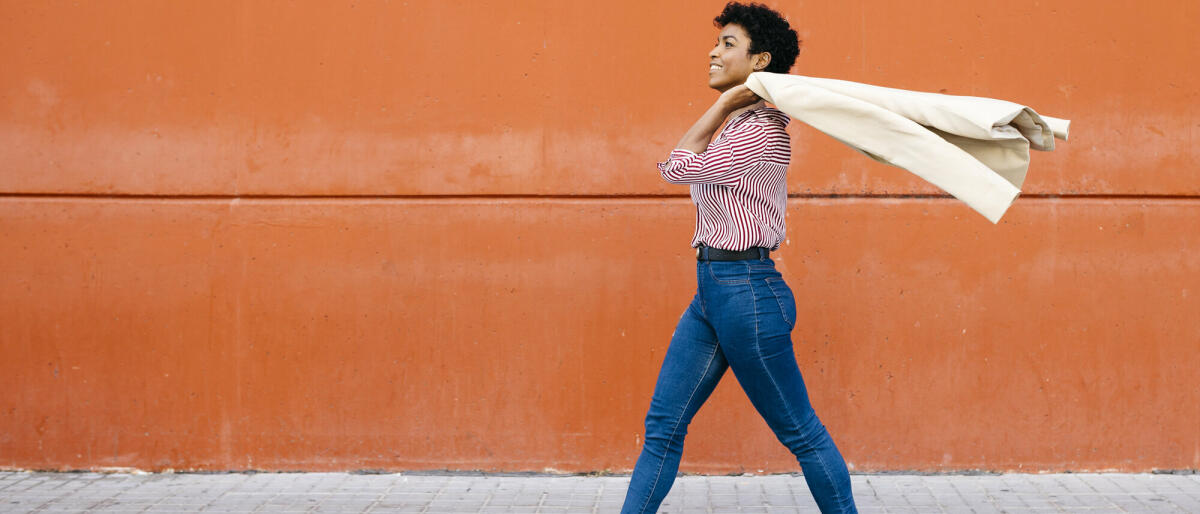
674, 429
786, 408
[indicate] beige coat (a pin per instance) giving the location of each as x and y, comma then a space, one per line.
976, 149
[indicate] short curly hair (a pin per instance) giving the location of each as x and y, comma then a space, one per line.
768, 30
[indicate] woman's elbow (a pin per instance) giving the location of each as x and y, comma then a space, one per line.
672, 178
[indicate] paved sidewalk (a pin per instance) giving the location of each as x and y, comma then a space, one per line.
473, 493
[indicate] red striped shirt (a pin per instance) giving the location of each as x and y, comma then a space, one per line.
739, 183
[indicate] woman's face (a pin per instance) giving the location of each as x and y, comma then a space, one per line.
730, 61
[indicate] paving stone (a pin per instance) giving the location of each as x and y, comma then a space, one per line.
472, 493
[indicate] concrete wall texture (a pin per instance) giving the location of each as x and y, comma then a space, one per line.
430, 235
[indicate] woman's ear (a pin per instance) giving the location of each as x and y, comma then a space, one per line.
761, 61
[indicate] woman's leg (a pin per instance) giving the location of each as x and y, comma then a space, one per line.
691, 369
754, 324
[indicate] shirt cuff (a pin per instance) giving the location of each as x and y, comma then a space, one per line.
677, 161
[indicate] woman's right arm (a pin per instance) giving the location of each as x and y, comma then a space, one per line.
696, 138
696, 161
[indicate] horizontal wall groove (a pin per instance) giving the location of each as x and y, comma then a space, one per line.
582, 197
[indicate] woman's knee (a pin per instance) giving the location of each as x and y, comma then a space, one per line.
661, 427
807, 434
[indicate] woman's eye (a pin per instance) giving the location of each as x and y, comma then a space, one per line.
728, 44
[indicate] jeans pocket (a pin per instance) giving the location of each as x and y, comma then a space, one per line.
728, 272
783, 296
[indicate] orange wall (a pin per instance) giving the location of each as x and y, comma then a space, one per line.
425, 235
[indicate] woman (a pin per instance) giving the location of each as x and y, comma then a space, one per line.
743, 312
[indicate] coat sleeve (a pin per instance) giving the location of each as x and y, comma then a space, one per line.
724, 162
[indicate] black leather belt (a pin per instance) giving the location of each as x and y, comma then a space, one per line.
706, 253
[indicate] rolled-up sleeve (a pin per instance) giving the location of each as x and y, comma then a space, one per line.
724, 162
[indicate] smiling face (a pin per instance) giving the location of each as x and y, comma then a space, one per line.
730, 62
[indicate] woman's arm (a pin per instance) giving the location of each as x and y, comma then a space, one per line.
696, 139
696, 161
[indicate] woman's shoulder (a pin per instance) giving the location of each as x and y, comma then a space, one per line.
767, 121
764, 119
757, 123
772, 116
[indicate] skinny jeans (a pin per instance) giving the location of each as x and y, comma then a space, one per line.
741, 317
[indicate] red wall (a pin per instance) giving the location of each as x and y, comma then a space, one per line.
424, 235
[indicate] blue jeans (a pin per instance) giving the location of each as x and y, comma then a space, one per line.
742, 318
